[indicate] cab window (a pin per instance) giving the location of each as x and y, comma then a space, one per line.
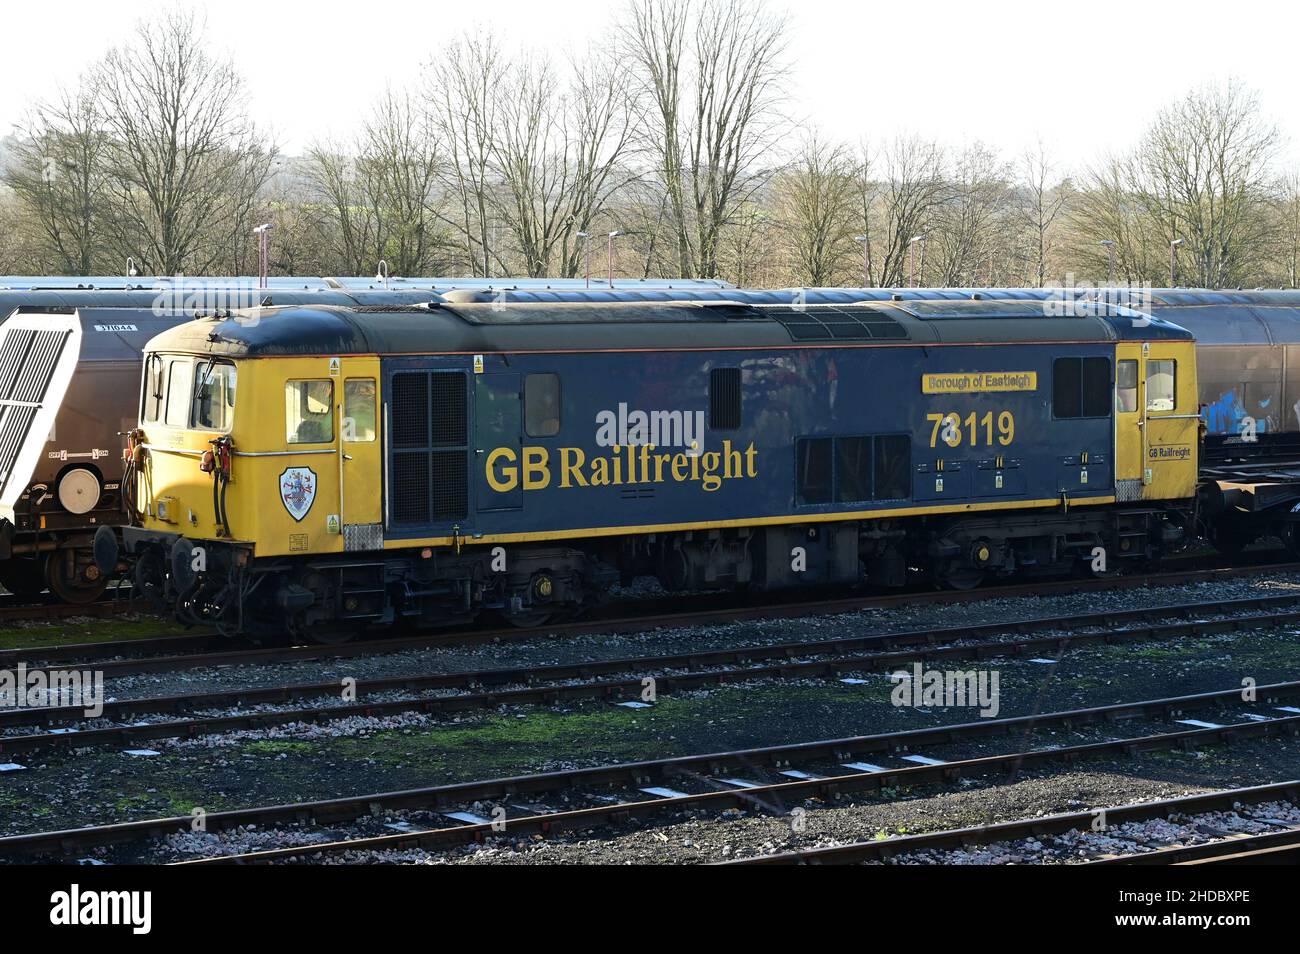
1126, 386
155, 389
542, 405
1161, 373
1081, 387
359, 410
176, 411
309, 412
214, 396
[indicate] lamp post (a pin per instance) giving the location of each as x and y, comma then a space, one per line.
1173, 261
263, 233
586, 255
1109, 245
866, 268
610, 250
911, 258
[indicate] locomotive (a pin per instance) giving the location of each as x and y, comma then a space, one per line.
322, 470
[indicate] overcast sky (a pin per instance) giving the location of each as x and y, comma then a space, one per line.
1083, 77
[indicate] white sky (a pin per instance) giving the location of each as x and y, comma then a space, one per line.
1084, 77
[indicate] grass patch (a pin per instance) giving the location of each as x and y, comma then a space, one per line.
39, 634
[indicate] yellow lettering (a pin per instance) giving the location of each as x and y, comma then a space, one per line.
509, 478
571, 461
537, 471
710, 479
660, 461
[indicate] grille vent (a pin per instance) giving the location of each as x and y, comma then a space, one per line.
430, 454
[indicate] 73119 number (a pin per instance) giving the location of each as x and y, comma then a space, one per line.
974, 430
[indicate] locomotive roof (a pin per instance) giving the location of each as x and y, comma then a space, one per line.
440, 327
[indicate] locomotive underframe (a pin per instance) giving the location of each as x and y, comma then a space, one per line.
334, 597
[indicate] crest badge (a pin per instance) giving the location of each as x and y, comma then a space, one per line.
298, 491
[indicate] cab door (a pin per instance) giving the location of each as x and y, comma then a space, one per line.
1172, 420
1156, 421
1129, 423
498, 439
360, 453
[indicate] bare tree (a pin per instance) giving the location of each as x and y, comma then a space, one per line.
183, 157
348, 197
1205, 172
710, 74
1105, 210
1202, 174
461, 98
403, 159
19, 254
816, 199
748, 254
558, 154
910, 195
305, 235
1043, 197
57, 173
1288, 227
969, 227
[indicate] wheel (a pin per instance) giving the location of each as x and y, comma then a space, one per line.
332, 635
1231, 544
73, 577
961, 578
1290, 535
150, 578
23, 578
529, 620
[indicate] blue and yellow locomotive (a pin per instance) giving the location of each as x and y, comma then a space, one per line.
327, 469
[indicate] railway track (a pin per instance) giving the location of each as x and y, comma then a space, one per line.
13, 609
482, 689
764, 778
191, 651
1276, 847
1226, 800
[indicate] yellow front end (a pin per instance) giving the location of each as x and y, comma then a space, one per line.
305, 468
1157, 421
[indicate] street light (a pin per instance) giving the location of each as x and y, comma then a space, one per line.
263, 233
612, 235
586, 255
911, 259
1173, 260
1109, 245
866, 269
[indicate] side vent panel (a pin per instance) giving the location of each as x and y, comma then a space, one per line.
724, 399
429, 457
838, 323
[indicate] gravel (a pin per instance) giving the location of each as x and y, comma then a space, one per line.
358, 755
544, 650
